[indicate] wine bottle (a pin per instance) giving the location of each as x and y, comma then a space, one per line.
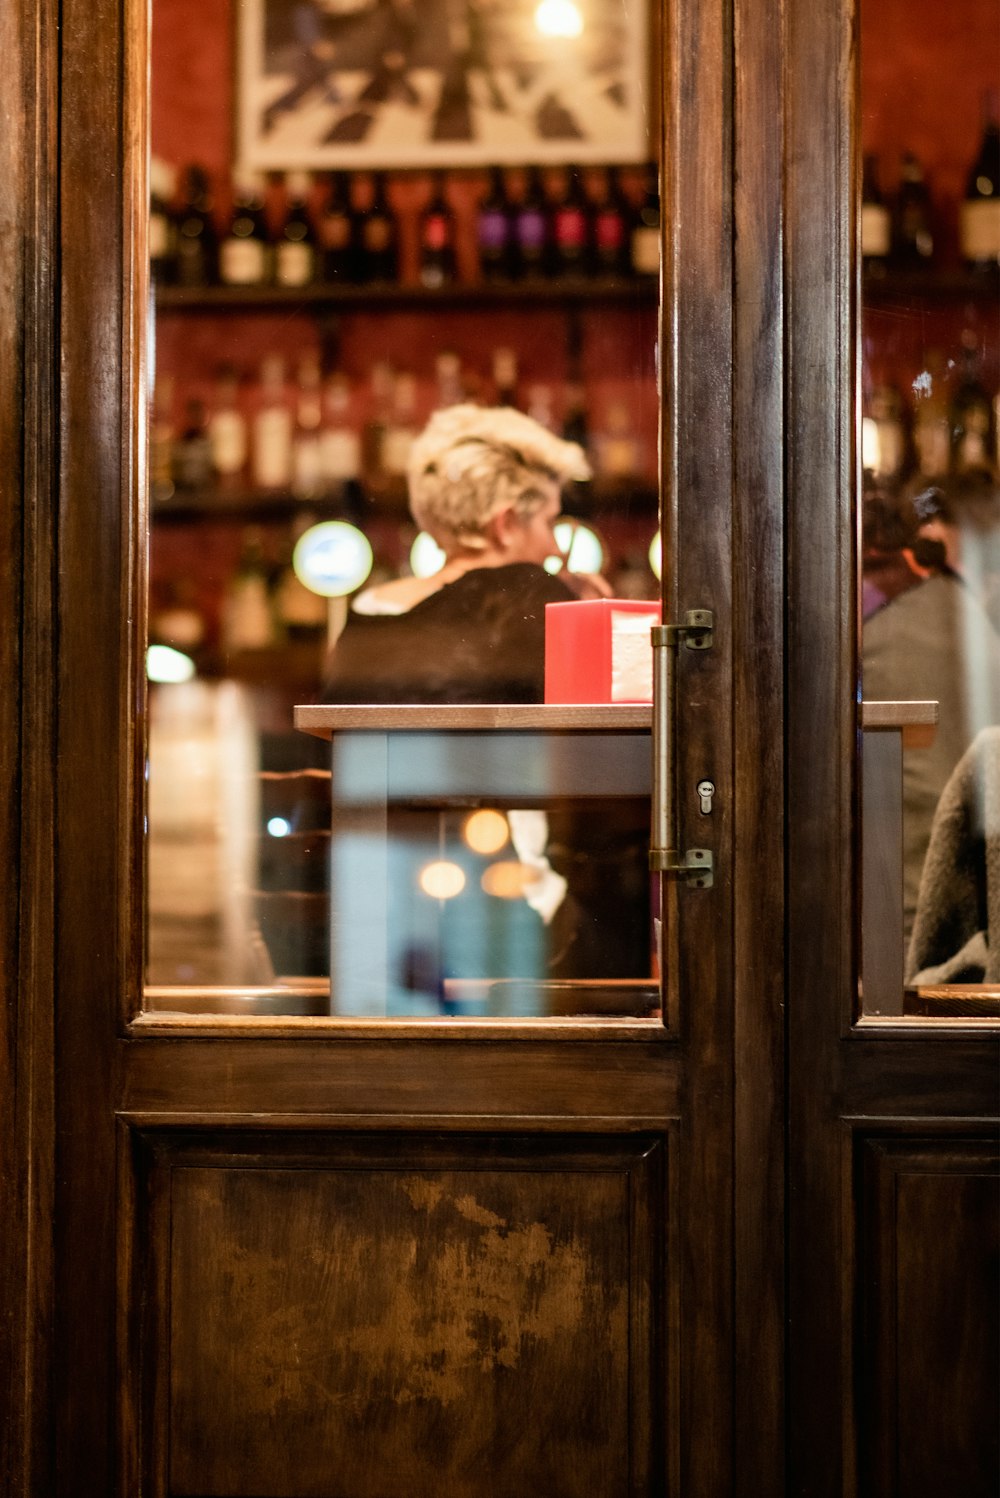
161, 441
570, 218
196, 237
448, 375
496, 231
531, 227
644, 242
296, 261
338, 234
912, 232
192, 450
931, 419
245, 251
162, 225
340, 445
376, 425
247, 619
272, 428
890, 458
609, 236
307, 462
227, 428
300, 614
876, 224
401, 429
505, 377
437, 238
378, 255
616, 448
979, 218
971, 414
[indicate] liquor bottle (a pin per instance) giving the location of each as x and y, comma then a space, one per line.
644, 242
531, 227
448, 377
496, 231
979, 221
931, 418
227, 428
337, 233
247, 620
437, 238
401, 429
889, 459
540, 407
307, 462
876, 225
971, 414
912, 232
161, 441
382, 383
616, 448
340, 444
575, 425
196, 237
162, 226
378, 250
505, 377
180, 621
296, 261
245, 252
570, 217
609, 229
192, 450
299, 613
271, 460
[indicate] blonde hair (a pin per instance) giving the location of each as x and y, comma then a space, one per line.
470, 462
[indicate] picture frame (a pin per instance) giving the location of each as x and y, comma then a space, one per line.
342, 84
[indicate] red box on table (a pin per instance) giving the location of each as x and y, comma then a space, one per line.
599, 650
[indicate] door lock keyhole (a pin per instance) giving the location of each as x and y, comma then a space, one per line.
706, 790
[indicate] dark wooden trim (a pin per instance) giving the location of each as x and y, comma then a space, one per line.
820, 176
29, 62
758, 625
100, 686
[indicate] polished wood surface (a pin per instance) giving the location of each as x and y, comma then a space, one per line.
324, 720
850, 1078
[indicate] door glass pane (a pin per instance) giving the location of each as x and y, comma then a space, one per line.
930, 507
405, 280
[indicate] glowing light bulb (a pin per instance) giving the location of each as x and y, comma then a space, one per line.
332, 558
508, 879
426, 556
558, 18
163, 663
656, 557
581, 547
442, 880
485, 831
279, 827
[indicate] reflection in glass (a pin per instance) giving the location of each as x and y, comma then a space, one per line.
299, 358
930, 505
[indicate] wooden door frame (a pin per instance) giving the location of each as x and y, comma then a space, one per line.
76, 732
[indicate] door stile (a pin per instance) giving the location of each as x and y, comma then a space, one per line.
759, 778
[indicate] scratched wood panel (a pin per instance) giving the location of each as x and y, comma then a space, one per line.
455, 1317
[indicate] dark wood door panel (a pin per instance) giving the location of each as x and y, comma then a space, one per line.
467, 1077
332, 1313
928, 1243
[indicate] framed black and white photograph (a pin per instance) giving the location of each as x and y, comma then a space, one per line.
423, 83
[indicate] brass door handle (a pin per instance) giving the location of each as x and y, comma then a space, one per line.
695, 864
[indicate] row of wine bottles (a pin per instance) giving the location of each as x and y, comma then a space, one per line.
952, 427
899, 231
312, 433
345, 229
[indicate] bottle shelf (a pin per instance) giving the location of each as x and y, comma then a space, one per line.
376, 295
884, 285
383, 498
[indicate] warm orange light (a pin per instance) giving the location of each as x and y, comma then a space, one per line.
486, 831
441, 880
508, 879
